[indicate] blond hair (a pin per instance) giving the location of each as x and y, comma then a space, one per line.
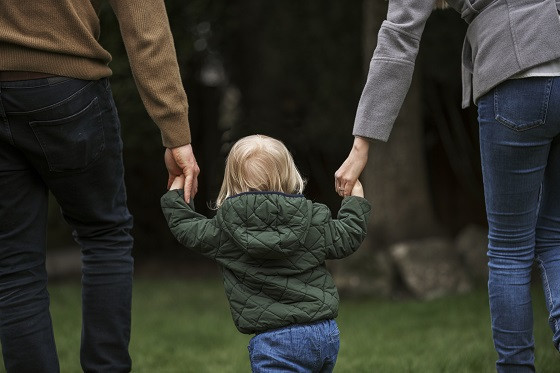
441, 4
259, 163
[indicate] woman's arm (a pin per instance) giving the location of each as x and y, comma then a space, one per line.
388, 81
391, 67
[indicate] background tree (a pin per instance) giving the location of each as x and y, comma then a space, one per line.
396, 178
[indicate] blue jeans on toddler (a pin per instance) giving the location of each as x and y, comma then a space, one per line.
309, 348
63, 135
520, 151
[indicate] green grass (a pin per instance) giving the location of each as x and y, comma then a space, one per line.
184, 325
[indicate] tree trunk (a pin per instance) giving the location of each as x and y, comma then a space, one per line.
396, 178
395, 181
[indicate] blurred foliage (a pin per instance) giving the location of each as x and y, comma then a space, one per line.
298, 68
451, 133
288, 69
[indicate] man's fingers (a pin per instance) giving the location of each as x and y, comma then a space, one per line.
195, 187
181, 161
188, 186
191, 181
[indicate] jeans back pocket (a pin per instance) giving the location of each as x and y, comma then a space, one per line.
522, 104
74, 142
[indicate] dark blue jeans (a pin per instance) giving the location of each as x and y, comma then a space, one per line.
520, 149
302, 348
63, 135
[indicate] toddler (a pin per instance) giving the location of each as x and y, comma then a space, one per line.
271, 244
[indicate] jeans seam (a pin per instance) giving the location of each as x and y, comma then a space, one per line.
537, 123
94, 104
43, 82
54, 81
547, 290
59, 103
6, 128
546, 101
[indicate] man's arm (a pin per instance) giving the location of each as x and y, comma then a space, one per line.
151, 52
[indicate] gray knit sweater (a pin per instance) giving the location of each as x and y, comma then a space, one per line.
504, 37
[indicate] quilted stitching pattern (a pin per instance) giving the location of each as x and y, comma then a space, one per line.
272, 249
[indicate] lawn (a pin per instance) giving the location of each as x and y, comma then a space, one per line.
184, 325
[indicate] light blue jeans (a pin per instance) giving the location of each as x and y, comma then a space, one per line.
298, 348
520, 153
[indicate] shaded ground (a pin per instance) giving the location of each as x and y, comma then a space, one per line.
184, 325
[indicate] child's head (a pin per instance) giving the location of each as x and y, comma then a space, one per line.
259, 163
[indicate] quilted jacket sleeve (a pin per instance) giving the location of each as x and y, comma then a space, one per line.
191, 229
345, 234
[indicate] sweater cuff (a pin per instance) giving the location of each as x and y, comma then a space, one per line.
175, 133
376, 114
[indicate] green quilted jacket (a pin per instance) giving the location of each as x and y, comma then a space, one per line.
272, 249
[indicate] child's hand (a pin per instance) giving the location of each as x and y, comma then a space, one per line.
358, 190
178, 183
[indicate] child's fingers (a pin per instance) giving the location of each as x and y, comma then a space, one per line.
358, 189
177, 183
170, 180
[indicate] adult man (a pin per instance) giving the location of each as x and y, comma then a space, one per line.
59, 131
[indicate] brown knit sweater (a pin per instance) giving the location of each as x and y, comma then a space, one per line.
60, 37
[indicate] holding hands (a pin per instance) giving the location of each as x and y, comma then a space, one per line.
183, 170
180, 161
346, 177
178, 183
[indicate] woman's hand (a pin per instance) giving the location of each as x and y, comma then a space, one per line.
347, 175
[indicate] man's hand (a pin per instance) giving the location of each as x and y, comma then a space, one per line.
347, 175
180, 161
